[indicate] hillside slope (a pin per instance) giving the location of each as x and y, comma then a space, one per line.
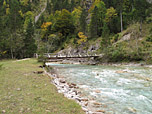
79, 26
129, 45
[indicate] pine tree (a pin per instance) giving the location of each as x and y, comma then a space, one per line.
100, 17
64, 23
66, 5
14, 24
56, 6
83, 23
48, 7
15, 19
93, 24
72, 5
30, 46
141, 7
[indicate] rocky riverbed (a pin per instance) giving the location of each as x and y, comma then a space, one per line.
106, 88
72, 91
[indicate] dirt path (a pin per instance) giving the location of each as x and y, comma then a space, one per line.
42, 11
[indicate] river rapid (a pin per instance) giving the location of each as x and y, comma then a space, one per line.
122, 89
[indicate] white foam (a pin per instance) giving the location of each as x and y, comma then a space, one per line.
103, 81
83, 86
115, 93
141, 97
94, 94
122, 81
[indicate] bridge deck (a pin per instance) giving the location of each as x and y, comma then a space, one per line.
59, 56
66, 57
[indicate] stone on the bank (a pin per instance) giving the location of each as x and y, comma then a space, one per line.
83, 99
78, 99
96, 103
85, 109
18, 89
62, 81
72, 85
3, 111
38, 72
41, 66
84, 104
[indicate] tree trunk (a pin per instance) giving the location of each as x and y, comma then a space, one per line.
140, 25
12, 53
11, 40
121, 20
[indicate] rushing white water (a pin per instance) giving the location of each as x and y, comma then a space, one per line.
123, 89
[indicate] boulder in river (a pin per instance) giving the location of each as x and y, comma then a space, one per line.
97, 91
132, 110
121, 71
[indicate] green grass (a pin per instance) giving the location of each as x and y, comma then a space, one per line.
22, 91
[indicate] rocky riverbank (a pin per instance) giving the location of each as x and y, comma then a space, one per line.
73, 91
84, 61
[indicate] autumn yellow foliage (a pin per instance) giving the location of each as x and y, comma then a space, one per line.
82, 38
96, 2
3, 53
46, 25
7, 11
21, 13
111, 12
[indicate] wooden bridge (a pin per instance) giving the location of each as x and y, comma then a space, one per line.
68, 56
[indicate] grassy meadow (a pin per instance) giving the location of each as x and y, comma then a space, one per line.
24, 92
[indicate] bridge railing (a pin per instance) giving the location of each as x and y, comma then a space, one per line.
56, 55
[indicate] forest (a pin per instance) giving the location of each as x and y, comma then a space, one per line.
76, 22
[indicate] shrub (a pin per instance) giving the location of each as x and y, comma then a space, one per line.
149, 19
149, 58
117, 54
115, 38
149, 39
120, 54
134, 56
42, 58
1, 65
113, 54
49, 68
